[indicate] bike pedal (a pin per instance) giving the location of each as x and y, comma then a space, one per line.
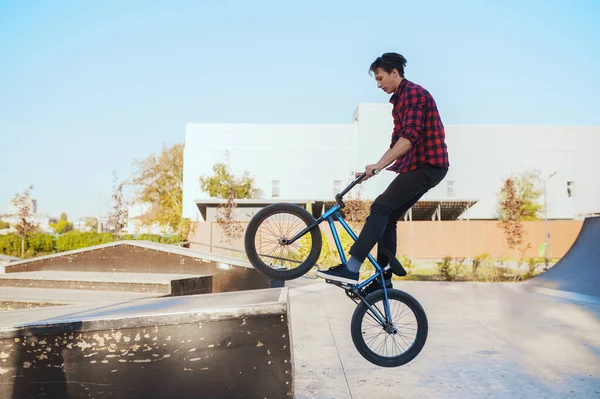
337, 283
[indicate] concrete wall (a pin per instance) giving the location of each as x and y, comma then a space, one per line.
307, 159
432, 239
481, 157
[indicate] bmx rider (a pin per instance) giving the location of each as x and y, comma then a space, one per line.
417, 153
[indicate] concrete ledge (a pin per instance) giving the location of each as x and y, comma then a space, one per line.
160, 283
147, 258
222, 345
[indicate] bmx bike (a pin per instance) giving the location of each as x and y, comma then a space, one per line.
389, 327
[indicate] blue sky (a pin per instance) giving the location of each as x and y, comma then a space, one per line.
87, 87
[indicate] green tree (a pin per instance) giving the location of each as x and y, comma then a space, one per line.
4, 225
225, 185
528, 191
158, 180
62, 225
25, 226
222, 183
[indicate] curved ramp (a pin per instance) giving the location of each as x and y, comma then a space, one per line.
578, 271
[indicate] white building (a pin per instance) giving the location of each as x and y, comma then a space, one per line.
40, 220
302, 163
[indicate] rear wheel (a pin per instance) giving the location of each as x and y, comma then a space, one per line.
266, 247
396, 343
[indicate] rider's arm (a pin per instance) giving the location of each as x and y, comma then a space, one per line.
399, 149
412, 116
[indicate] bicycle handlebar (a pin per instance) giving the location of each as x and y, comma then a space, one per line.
338, 197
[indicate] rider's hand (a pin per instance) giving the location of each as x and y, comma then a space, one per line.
369, 169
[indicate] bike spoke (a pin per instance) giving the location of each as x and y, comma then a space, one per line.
268, 241
386, 344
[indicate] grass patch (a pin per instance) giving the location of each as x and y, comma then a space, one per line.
480, 268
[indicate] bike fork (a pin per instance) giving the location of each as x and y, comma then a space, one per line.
384, 320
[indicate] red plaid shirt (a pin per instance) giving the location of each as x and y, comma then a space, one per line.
417, 119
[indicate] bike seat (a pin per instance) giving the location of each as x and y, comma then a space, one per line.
394, 263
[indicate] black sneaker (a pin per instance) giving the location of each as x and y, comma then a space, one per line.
376, 285
339, 273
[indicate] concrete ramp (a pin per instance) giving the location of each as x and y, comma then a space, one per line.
152, 283
578, 271
145, 257
225, 345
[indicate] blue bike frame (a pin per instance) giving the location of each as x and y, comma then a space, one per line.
335, 212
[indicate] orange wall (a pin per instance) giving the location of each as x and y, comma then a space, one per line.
435, 239
429, 239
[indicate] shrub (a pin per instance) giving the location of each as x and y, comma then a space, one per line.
450, 268
458, 266
500, 269
163, 239
75, 240
479, 262
445, 268
41, 243
532, 264
10, 244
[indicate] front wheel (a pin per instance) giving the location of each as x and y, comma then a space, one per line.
265, 241
400, 340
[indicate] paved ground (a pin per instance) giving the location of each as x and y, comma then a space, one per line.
485, 341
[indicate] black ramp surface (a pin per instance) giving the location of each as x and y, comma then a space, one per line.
579, 270
226, 345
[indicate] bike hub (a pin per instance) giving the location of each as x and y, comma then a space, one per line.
390, 329
283, 241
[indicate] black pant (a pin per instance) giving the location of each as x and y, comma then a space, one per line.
402, 193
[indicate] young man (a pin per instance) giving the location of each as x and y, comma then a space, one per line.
420, 158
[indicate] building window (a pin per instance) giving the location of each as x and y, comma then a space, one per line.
450, 188
571, 189
337, 187
275, 189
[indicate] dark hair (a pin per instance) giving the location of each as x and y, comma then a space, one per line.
388, 62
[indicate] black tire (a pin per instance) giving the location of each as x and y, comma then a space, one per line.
252, 253
420, 338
